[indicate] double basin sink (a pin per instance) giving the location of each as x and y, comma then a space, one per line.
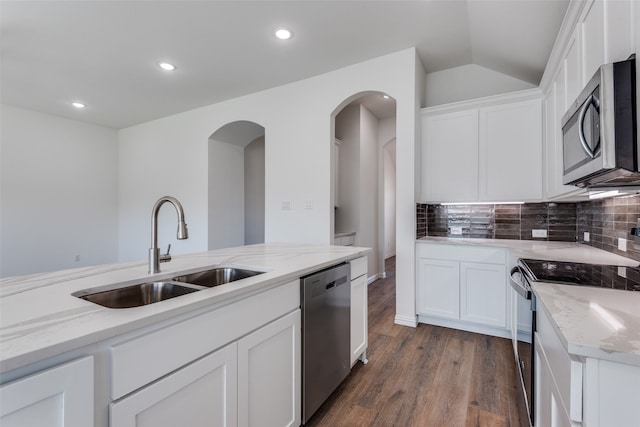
150, 292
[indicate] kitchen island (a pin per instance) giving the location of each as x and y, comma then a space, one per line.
233, 342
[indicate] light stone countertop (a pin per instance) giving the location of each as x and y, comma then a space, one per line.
581, 315
594, 322
540, 249
39, 318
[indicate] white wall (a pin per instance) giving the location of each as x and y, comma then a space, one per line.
58, 193
254, 192
299, 128
347, 217
387, 190
226, 196
368, 225
468, 82
389, 177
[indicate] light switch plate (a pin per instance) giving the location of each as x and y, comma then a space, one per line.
622, 272
539, 233
456, 230
286, 205
587, 236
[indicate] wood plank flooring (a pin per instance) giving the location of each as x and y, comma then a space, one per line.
425, 376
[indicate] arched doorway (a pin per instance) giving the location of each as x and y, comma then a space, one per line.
362, 125
236, 185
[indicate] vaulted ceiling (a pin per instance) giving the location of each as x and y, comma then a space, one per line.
106, 53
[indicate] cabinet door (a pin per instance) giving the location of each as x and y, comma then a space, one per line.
549, 410
450, 157
573, 70
483, 294
511, 152
201, 394
439, 288
359, 300
61, 396
592, 39
269, 370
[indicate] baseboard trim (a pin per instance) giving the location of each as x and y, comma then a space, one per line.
372, 279
406, 321
464, 326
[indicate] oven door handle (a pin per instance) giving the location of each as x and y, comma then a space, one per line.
519, 283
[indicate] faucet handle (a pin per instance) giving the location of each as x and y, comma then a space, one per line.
166, 257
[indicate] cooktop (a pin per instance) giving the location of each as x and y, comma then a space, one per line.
573, 273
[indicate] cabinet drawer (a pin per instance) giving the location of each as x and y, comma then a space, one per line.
567, 373
136, 362
358, 267
487, 255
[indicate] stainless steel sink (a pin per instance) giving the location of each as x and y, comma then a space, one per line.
217, 276
136, 295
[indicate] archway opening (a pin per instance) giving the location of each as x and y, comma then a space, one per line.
236, 158
362, 125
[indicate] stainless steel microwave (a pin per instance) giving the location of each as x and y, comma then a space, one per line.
599, 135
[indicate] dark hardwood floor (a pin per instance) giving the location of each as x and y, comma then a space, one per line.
425, 376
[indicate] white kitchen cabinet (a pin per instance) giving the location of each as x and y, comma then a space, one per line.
483, 295
595, 32
201, 394
549, 410
510, 142
269, 366
61, 396
593, 40
359, 310
573, 70
439, 288
486, 150
450, 156
463, 287
555, 106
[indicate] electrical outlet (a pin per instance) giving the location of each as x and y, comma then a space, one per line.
308, 204
622, 244
77, 258
587, 237
286, 205
456, 230
539, 233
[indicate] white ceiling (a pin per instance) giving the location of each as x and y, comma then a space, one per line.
105, 53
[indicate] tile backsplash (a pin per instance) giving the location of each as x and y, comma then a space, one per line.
605, 220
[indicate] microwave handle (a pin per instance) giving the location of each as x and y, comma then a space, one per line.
583, 140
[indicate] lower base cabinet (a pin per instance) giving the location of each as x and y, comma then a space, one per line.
463, 287
60, 396
269, 388
251, 382
359, 308
198, 395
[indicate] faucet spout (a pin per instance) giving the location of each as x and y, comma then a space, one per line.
154, 252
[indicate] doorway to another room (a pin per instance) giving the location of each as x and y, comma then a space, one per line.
364, 175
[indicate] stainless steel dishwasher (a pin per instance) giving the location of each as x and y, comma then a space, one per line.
326, 334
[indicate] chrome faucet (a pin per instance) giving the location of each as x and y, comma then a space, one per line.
154, 252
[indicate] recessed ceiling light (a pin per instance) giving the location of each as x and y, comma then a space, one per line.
78, 105
283, 33
166, 66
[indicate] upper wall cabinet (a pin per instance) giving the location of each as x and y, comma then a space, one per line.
594, 33
487, 150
